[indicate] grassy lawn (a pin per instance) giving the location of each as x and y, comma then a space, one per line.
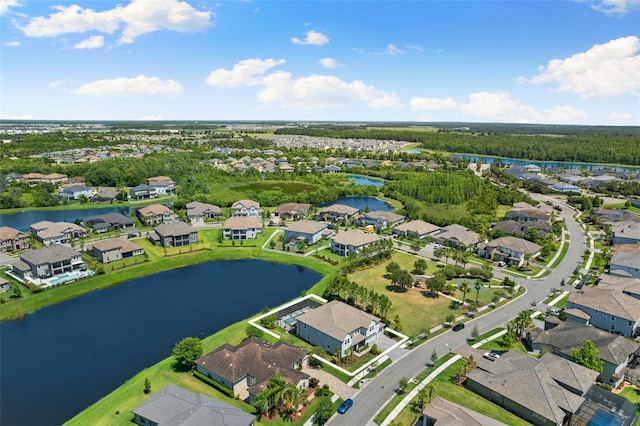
565, 249
562, 303
444, 388
502, 210
601, 245
484, 335
418, 312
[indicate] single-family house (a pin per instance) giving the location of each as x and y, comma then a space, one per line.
105, 194
57, 232
198, 212
12, 239
525, 212
241, 228
173, 405
608, 309
565, 187
245, 369
4, 285
457, 236
338, 328
336, 213
246, 208
76, 192
416, 229
162, 184
35, 178
625, 284
441, 412
521, 229
626, 232
111, 249
615, 351
292, 211
309, 230
173, 234
141, 192
380, 219
532, 168
156, 213
512, 250
109, 221
626, 264
47, 261
354, 240
544, 392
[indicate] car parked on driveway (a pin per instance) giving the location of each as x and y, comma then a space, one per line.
502, 263
345, 406
491, 356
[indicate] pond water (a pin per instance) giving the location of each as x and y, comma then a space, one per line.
360, 203
61, 359
22, 220
365, 181
413, 151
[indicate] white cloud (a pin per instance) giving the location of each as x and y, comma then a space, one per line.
622, 116
615, 7
55, 84
414, 47
12, 43
6, 4
610, 69
129, 87
247, 72
433, 104
313, 38
328, 63
392, 50
92, 42
136, 18
500, 107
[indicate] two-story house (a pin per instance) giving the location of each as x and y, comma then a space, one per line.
350, 241
111, 249
57, 232
336, 213
309, 230
173, 234
12, 239
246, 208
76, 192
626, 264
292, 211
339, 328
155, 214
457, 236
241, 228
512, 250
418, 229
607, 309
525, 212
380, 219
162, 184
198, 212
626, 232
47, 261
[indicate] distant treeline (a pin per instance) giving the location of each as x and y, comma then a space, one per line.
614, 145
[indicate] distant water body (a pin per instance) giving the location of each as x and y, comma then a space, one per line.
63, 358
22, 220
365, 181
545, 164
360, 203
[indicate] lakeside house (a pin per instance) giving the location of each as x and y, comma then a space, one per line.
47, 261
245, 369
173, 405
380, 219
174, 234
112, 249
35, 178
292, 211
109, 221
246, 208
354, 240
143, 192
12, 239
338, 328
76, 192
162, 184
57, 232
198, 212
241, 228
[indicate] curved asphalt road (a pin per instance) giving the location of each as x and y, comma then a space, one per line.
377, 392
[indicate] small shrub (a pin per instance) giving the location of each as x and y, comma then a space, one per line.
375, 350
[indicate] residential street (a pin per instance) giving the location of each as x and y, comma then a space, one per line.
369, 400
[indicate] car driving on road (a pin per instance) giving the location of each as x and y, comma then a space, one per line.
345, 406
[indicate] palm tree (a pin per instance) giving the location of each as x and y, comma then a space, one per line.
464, 288
478, 287
289, 399
523, 320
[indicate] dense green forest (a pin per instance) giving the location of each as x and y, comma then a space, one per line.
617, 146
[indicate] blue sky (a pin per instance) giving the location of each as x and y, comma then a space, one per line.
564, 62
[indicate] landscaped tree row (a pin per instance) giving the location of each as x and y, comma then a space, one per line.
614, 147
341, 288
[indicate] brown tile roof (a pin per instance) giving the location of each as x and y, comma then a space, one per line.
256, 358
239, 223
245, 203
447, 413
307, 226
154, 210
108, 244
340, 209
336, 319
609, 301
381, 214
174, 229
355, 237
515, 244
289, 207
7, 233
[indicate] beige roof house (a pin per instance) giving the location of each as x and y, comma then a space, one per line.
337, 319
445, 413
457, 236
346, 242
241, 222
608, 301
418, 227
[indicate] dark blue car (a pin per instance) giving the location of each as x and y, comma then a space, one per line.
345, 406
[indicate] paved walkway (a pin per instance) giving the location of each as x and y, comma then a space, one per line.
337, 386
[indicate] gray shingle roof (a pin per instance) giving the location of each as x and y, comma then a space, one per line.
307, 226
420, 227
515, 244
609, 301
196, 208
381, 214
175, 406
240, 222
174, 229
447, 413
48, 254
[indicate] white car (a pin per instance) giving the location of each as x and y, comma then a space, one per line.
502, 263
491, 356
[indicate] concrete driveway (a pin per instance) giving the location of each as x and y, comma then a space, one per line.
337, 386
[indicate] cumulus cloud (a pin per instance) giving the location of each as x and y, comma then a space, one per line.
610, 69
312, 38
12, 43
621, 116
500, 106
247, 72
6, 4
130, 87
392, 50
136, 18
92, 42
328, 63
615, 7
